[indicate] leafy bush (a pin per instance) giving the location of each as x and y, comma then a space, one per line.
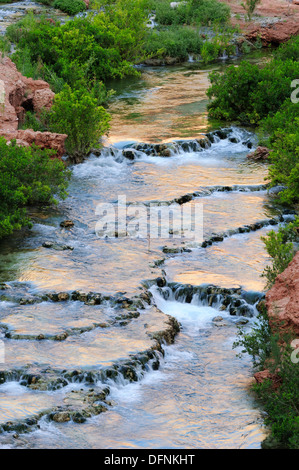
258, 342
100, 46
280, 404
72, 7
288, 50
250, 6
28, 176
175, 42
77, 113
249, 93
284, 119
195, 12
280, 247
284, 168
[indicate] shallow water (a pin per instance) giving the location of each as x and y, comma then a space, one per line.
199, 397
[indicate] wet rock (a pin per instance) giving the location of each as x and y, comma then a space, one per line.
63, 296
276, 190
242, 321
48, 244
217, 319
40, 337
61, 417
61, 337
161, 282
67, 224
248, 143
183, 199
260, 154
266, 375
223, 133
129, 154
166, 153
167, 249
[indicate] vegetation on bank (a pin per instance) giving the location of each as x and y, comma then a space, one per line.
79, 58
28, 177
271, 350
261, 96
279, 396
264, 97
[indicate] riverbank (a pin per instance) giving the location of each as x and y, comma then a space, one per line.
141, 328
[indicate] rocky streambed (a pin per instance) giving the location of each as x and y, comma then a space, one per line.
131, 334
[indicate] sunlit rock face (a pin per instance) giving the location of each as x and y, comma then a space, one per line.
283, 299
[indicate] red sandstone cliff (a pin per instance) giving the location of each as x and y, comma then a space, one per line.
23, 94
275, 21
282, 300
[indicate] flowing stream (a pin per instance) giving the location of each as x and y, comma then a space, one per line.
79, 313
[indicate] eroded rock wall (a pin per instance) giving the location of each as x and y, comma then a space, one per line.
23, 94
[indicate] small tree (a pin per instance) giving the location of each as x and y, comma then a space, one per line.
77, 114
249, 6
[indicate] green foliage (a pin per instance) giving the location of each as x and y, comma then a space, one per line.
255, 95
4, 46
100, 46
72, 7
249, 93
230, 92
284, 118
284, 159
250, 6
281, 404
280, 248
289, 50
175, 42
192, 12
31, 121
78, 114
28, 176
257, 342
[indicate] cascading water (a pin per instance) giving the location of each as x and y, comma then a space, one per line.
121, 333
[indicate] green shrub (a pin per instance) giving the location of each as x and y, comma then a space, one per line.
209, 12
249, 93
257, 342
192, 12
72, 7
28, 176
280, 248
250, 6
284, 168
288, 50
96, 46
174, 42
284, 119
281, 404
77, 113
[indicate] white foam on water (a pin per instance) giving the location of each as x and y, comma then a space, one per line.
12, 389
123, 391
192, 317
105, 166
